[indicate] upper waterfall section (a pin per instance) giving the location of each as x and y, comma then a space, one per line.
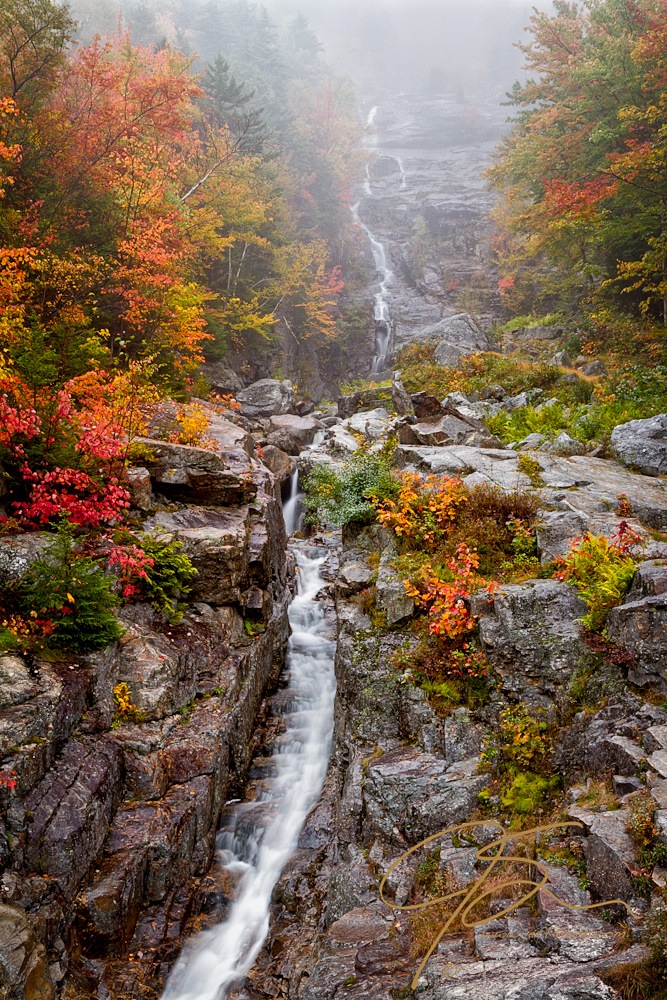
424, 207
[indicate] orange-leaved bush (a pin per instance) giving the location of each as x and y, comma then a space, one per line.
447, 600
423, 509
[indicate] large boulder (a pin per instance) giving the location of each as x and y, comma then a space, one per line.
198, 475
160, 680
578, 935
610, 856
496, 466
458, 334
278, 462
447, 355
642, 444
450, 429
221, 378
532, 634
342, 441
413, 794
217, 543
373, 424
266, 398
291, 433
640, 627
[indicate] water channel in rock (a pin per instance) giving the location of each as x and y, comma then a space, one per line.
260, 835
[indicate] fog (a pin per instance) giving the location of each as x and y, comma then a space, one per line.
385, 46
430, 46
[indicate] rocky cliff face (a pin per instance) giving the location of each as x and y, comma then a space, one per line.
111, 823
426, 205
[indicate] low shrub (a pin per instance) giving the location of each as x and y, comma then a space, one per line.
422, 512
527, 792
645, 834
521, 742
167, 577
591, 413
518, 754
351, 495
645, 980
515, 374
530, 467
601, 569
445, 594
522, 322
515, 426
126, 710
498, 526
74, 595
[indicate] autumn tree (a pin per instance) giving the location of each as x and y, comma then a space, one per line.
33, 38
581, 173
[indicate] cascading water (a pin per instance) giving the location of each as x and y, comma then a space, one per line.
381, 313
292, 506
218, 959
403, 180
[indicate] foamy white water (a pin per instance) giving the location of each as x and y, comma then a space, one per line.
293, 512
217, 959
292, 506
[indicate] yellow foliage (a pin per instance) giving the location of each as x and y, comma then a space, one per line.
423, 510
126, 710
192, 426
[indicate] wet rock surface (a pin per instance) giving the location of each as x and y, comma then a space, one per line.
433, 195
108, 838
532, 635
267, 398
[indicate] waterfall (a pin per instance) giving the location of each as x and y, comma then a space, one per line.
381, 314
403, 180
292, 506
217, 959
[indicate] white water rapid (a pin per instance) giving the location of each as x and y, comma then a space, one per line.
292, 506
218, 959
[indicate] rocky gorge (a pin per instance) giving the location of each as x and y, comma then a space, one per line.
126, 842
401, 770
109, 826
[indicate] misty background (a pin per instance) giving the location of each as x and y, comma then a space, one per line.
385, 46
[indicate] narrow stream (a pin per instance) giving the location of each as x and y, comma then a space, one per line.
263, 833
